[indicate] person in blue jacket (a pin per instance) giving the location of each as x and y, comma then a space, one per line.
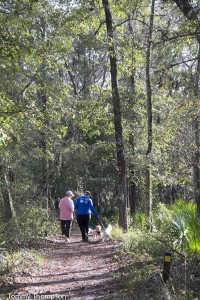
84, 207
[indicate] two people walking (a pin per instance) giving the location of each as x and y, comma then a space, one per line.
84, 208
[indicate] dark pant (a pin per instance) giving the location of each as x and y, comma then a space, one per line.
83, 223
66, 226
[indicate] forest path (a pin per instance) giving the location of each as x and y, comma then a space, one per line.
74, 270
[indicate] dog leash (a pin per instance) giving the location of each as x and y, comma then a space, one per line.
101, 223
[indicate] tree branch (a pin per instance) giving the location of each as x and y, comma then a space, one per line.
183, 62
72, 79
175, 37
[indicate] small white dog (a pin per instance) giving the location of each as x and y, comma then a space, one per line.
97, 232
107, 233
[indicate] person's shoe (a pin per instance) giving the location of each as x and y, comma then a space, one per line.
68, 240
86, 239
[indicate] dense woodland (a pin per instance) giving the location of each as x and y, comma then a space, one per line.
103, 96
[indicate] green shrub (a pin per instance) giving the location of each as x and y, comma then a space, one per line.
141, 221
187, 225
30, 225
179, 225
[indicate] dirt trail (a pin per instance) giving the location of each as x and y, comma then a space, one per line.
74, 270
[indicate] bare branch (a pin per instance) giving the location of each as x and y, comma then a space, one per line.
183, 62
165, 40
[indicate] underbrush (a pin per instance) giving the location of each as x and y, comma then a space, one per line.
173, 229
20, 242
14, 264
141, 261
28, 229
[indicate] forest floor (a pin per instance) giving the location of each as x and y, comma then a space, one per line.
83, 271
75, 270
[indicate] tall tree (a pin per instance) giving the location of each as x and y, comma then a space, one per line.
191, 11
122, 200
149, 112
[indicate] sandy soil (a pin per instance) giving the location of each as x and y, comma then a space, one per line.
74, 270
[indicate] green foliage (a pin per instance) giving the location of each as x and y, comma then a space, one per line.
186, 224
30, 226
13, 263
175, 228
139, 242
161, 217
117, 232
141, 221
109, 214
56, 111
179, 224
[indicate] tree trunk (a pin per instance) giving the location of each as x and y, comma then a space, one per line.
132, 183
191, 13
117, 121
7, 199
42, 97
196, 167
149, 116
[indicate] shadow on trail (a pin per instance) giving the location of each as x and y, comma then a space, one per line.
68, 280
76, 270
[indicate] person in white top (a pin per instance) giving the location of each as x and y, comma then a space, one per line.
66, 206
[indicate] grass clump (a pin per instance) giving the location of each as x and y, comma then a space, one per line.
13, 264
